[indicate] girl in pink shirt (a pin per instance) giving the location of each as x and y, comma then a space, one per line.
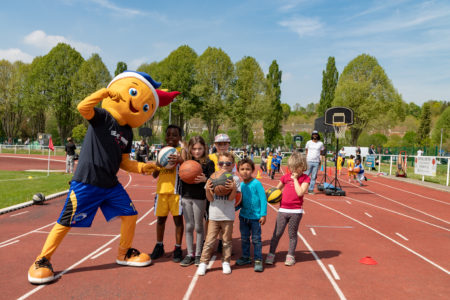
293, 185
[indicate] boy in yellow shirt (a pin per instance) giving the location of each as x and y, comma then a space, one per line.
350, 167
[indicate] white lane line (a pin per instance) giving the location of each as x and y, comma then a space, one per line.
4, 245
76, 233
18, 214
400, 214
348, 202
153, 222
129, 181
154, 193
403, 237
325, 226
333, 271
57, 276
30, 232
367, 214
101, 253
35, 158
407, 206
313, 231
385, 236
194, 280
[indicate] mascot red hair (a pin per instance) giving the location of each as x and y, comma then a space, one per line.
130, 99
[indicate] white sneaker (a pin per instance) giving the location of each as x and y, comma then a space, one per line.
226, 268
201, 269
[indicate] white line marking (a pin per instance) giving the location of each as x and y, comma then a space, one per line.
36, 158
367, 214
403, 237
385, 236
21, 213
324, 226
195, 278
153, 193
399, 203
30, 232
313, 231
403, 215
101, 253
129, 181
153, 222
4, 245
80, 261
76, 233
333, 271
348, 202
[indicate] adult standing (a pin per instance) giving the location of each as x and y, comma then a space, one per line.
374, 154
70, 155
419, 152
358, 153
142, 152
313, 148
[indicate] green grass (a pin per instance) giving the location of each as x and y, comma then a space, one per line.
16, 186
440, 178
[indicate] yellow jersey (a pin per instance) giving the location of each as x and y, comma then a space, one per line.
168, 180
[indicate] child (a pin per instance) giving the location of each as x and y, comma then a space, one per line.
269, 163
194, 200
359, 171
263, 164
294, 185
350, 167
221, 217
168, 198
252, 215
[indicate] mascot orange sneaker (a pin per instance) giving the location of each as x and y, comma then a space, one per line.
41, 271
132, 257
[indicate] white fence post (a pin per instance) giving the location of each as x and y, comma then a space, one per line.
448, 168
390, 167
379, 163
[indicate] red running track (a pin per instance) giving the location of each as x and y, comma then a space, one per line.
404, 227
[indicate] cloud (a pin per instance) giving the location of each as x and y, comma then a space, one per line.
41, 40
303, 26
15, 54
287, 5
123, 11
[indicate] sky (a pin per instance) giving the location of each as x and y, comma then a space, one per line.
410, 39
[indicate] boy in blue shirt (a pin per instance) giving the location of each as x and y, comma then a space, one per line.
252, 214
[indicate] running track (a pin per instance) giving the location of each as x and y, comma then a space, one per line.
404, 227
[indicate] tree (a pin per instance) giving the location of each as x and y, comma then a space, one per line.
413, 109
364, 87
286, 110
79, 132
121, 67
423, 133
249, 91
409, 139
330, 78
274, 110
214, 75
443, 122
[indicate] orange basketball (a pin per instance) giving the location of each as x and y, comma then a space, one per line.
189, 170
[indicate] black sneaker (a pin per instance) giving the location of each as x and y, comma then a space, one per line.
220, 247
187, 261
197, 260
177, 254
158, 251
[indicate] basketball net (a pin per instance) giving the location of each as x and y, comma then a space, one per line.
339, 130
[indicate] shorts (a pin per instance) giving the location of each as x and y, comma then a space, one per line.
167, 202
83, 201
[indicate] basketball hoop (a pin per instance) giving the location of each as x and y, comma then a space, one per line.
339, 129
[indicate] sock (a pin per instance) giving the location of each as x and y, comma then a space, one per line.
54, 238
126, 233
159, 243
177, 246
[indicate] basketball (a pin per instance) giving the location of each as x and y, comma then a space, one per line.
356, 170
273, 195
219, 179
189, 170
163, 157
38, 199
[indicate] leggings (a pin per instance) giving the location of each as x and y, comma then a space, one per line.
284, 219
193, 212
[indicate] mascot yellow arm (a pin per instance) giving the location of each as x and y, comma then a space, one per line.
137, 167
86, 107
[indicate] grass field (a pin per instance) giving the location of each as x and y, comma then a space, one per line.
17, 186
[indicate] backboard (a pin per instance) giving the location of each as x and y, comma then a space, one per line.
320, 126
338, 115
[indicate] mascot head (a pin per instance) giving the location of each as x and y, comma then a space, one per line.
138, 98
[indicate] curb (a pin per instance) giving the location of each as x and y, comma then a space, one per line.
29, 203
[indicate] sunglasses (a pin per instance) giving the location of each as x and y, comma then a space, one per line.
226, 163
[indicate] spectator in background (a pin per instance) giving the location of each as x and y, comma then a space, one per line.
313, 148
263, 164
419, 152
70, 155
358, 153
372, 150
142, 152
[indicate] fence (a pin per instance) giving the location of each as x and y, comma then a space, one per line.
32, 149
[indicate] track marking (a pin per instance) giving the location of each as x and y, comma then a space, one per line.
153, 222
101, 253
4, 245
367, 214
325, 226
399, 203
398, 213
36, 158
385, 236
195, 278
57, 276
333, 271
403, 237
30, 232
313, 231
412, 193
348, 202
76, 233
18, 214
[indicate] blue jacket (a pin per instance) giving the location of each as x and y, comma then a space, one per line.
254, 202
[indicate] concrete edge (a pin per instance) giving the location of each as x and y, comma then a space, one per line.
29, 203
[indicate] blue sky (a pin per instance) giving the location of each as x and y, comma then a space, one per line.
410, 39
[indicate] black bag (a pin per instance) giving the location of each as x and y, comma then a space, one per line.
75, 157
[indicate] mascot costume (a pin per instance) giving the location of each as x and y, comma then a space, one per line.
130, 99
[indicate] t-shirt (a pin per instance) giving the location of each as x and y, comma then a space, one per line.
314, 149
168, 180
350, 163
254, 202
70, 148
222, 209
197, 190
361, 168
269, 162
290, 202
102, 150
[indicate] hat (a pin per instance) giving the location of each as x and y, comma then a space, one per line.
222, 138
314, 132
